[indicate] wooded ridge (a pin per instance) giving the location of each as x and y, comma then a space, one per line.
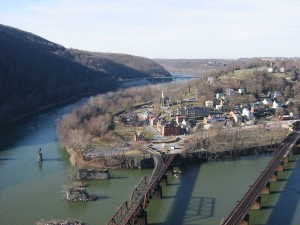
36, 73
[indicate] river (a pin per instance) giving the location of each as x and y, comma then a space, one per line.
31, 191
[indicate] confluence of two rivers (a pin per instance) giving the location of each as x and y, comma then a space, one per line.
30, 191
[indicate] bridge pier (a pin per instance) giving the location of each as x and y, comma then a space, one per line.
266, 189
246, 220
274, 177
157, 192
257, 203
141, 219
252, 199
280, 167
285, 159
164, 180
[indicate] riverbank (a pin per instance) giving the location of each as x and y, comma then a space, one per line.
90, 160
48, 107
125, 160
204, 194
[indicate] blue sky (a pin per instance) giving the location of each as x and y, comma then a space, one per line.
163, 28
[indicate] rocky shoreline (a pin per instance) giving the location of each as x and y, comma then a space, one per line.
61, 222
137, 161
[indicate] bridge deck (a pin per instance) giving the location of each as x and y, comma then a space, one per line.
245, 204
129, 210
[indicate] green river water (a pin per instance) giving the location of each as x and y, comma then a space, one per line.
206, 192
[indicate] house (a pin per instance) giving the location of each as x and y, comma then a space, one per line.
180, 119
153, 120
230, 92
248, 114
209, 104
270, 70
138, 136
277, 104
281, 70
294, 115
220, 95
185, 123
235, 115
220, 106
130, 117
267, 101
241, 90
215, 119
168, 128
274, 94
186, 126
193, 111
144, 115
259, 109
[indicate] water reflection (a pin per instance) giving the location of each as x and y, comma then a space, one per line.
7, 158
40, 165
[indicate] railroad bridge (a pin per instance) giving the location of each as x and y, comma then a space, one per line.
252, 198
132, 211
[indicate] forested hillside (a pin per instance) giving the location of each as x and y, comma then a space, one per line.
36, 73
122, 66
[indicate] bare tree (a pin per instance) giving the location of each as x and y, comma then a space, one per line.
99, 125
67, 123
79, 140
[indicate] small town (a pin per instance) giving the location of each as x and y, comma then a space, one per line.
187, 124
162, 130
133, 112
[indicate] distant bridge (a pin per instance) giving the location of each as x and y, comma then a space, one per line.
163, 79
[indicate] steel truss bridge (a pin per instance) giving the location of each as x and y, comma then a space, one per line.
132, 211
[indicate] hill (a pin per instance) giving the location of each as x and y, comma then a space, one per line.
36, 73
201, 66
121, 66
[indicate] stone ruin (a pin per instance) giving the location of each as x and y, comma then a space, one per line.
79, 194
93, 174
61, 222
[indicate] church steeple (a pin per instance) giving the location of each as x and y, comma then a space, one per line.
162, 100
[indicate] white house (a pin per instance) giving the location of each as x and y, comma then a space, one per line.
277, 104
281, 70
270, 70
267, 101
247, 113
241, 90
219, 95
219, 107
209, 104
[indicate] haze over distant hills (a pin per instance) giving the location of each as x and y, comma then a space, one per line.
36, 73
